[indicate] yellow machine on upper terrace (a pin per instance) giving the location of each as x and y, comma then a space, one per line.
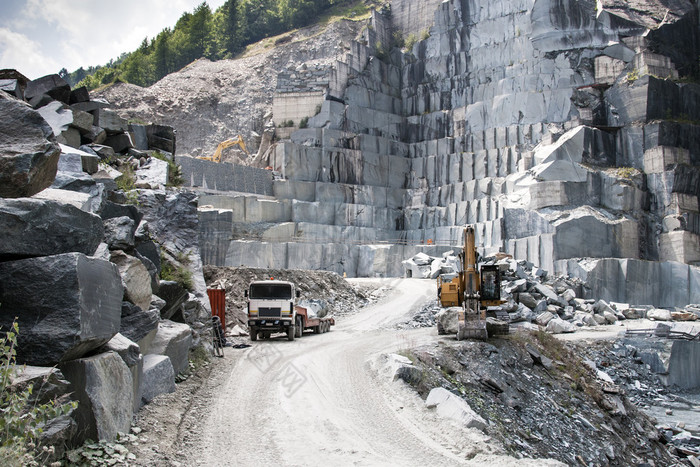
237, 140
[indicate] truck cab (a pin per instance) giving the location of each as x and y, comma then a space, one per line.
271, 308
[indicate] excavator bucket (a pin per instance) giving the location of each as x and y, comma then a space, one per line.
472, 325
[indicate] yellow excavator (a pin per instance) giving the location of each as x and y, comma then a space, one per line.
237, 140
474, 289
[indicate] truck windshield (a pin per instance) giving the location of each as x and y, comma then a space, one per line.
271, 291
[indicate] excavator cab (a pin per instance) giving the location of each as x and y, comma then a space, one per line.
490, 285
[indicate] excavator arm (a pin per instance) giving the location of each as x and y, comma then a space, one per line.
237, 140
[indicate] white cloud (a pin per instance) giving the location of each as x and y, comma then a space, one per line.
75, 33
22, 53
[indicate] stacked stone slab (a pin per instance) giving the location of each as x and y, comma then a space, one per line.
79, 269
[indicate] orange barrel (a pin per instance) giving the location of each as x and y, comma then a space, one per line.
217, 298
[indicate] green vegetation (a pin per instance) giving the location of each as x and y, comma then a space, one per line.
410, 41
127, 183
21, 420
177, 273
174, 171
214, 35
304, 122
102, 453
633, 76
626, 172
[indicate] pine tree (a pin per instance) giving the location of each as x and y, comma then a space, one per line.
231, 31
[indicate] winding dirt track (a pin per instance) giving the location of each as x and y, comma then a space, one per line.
329, 399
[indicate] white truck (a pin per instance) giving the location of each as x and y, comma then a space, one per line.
272, 308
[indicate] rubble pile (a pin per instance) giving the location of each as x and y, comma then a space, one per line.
86, 253
330, 293
534, 297
539, 399
636, 367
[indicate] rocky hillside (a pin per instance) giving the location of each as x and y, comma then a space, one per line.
539, 399
229, 97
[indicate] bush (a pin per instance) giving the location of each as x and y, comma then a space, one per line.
179, 274
174, 171
411, 40
21, 423
304, 122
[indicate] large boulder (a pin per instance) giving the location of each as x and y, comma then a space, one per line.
47, 383
158, 377
161, 137
559, 326
448, 320
454, 407
111, 121
174, 295
28, 151
102, 385
138, 323
36, 227
119, 233
135, 277
173, 220
130, 352
58, 116
66, 305
174, 340
52, 85
152, 175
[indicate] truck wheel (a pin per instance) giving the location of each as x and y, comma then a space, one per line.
317, 329
290, 333
327, 326
299, 328
253, 333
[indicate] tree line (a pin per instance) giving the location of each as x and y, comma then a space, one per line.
202, 33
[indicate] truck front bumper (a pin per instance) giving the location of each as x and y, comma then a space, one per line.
270, 324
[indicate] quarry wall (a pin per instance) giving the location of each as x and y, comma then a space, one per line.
556, 129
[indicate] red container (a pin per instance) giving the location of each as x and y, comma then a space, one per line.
217, 298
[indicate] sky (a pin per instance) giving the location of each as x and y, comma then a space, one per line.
39, 37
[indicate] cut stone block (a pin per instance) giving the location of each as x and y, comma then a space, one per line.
139, 325
110, 121
28, 154
135, 277
77, 310
158, 377
660, 158
681, 246
34, 227
88, 162
174, 340
450, 406
102, 384
120, 233
52, 85
58, 116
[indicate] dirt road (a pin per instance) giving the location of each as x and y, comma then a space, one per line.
328, 400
